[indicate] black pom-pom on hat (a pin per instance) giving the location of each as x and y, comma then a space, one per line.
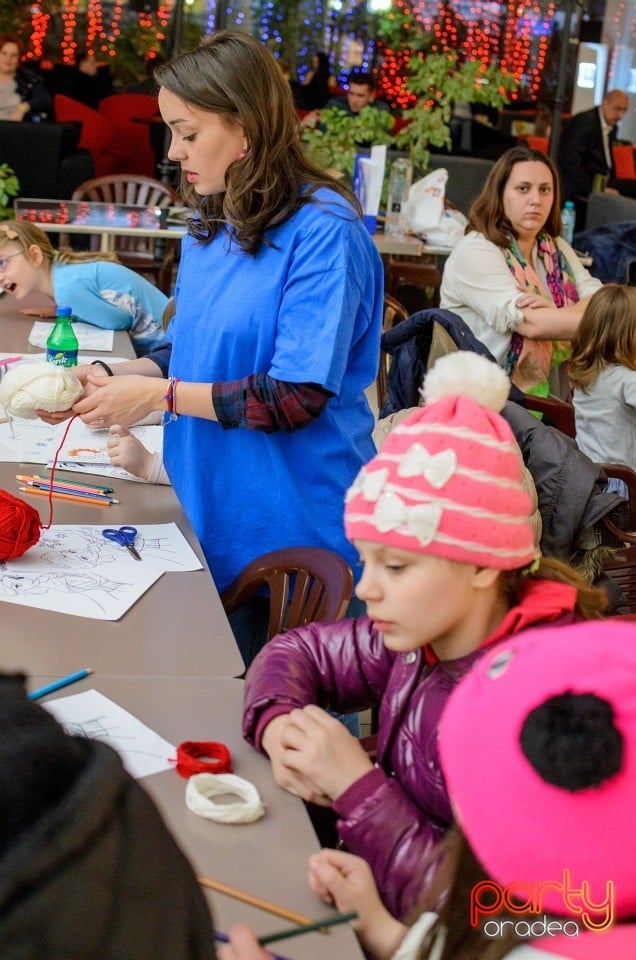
572, 742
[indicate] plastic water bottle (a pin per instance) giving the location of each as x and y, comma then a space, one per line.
62, 345
568, 216
399, 187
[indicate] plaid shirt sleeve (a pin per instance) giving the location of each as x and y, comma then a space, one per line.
259, 402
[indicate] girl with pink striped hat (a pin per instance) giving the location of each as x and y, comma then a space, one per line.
441, 520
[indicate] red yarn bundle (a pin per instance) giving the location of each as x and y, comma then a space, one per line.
19, 526
216, 758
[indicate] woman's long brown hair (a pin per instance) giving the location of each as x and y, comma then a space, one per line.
233, 75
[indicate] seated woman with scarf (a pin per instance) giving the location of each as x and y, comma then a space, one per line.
516, 283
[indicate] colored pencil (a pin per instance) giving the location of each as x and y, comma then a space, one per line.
77, 491
253, 901
317, 925
60, 482
5, 363
82, 483
91, 501
58, 684
223, 938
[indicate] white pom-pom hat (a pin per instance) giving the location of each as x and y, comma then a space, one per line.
448, 480
38, 386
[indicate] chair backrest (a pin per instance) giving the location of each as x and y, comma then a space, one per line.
306, 584
466, 177
129, 189
561, 413
621, 568
604, 208
394, 312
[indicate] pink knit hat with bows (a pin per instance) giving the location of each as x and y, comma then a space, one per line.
447, 481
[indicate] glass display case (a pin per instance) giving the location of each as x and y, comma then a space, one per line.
89, 213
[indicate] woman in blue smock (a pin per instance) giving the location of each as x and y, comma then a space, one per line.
277, 326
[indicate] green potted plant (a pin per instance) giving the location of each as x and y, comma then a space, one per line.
436, 82
335, 141
440, 82
9, 188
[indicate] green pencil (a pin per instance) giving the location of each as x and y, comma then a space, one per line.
308, 928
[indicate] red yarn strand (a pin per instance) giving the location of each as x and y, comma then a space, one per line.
48, 525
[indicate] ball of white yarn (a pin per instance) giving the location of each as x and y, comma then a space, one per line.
38, 386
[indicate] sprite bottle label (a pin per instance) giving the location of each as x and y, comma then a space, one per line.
62, 345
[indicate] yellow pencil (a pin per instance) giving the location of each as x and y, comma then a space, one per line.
91, 501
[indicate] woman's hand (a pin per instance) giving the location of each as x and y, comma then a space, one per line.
532, 300
242, 945
319, 748
347, 882
82, 372
119, 400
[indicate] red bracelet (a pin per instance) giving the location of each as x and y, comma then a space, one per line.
170, 412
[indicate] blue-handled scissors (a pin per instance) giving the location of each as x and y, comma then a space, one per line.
125, 537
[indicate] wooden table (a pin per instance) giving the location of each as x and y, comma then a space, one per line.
177, 628
15, 328
267, 858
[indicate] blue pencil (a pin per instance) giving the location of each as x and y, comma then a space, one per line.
223, 938
58, 684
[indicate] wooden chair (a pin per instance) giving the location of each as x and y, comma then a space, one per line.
561, 413
305, 584
621, 566
394, 312
145, 255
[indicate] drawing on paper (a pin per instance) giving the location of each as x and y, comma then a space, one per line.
74, 569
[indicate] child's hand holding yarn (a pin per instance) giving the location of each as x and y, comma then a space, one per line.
286, 777
30, 388
346, 881
321, 750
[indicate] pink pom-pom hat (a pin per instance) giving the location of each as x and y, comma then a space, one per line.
448, 480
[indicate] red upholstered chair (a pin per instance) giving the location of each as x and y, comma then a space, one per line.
116, 144
624, 161
538, 143
98, 134
128, 111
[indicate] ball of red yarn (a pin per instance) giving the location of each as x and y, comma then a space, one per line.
19, 526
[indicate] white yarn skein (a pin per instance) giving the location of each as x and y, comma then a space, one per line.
203, 787
38, 386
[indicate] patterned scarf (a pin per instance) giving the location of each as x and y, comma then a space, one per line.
562, 290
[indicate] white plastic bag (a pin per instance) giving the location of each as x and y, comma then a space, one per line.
449, 230
426, 213
426, 201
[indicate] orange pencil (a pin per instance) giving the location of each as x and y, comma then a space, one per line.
91, 501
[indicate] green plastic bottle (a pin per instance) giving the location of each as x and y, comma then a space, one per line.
62, 345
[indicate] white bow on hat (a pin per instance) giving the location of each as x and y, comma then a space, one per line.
422, 520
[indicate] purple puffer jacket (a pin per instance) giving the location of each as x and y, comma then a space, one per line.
393, 815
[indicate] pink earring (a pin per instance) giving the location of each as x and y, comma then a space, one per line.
241, 155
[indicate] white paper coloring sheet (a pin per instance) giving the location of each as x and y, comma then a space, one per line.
91, 714
74, 569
